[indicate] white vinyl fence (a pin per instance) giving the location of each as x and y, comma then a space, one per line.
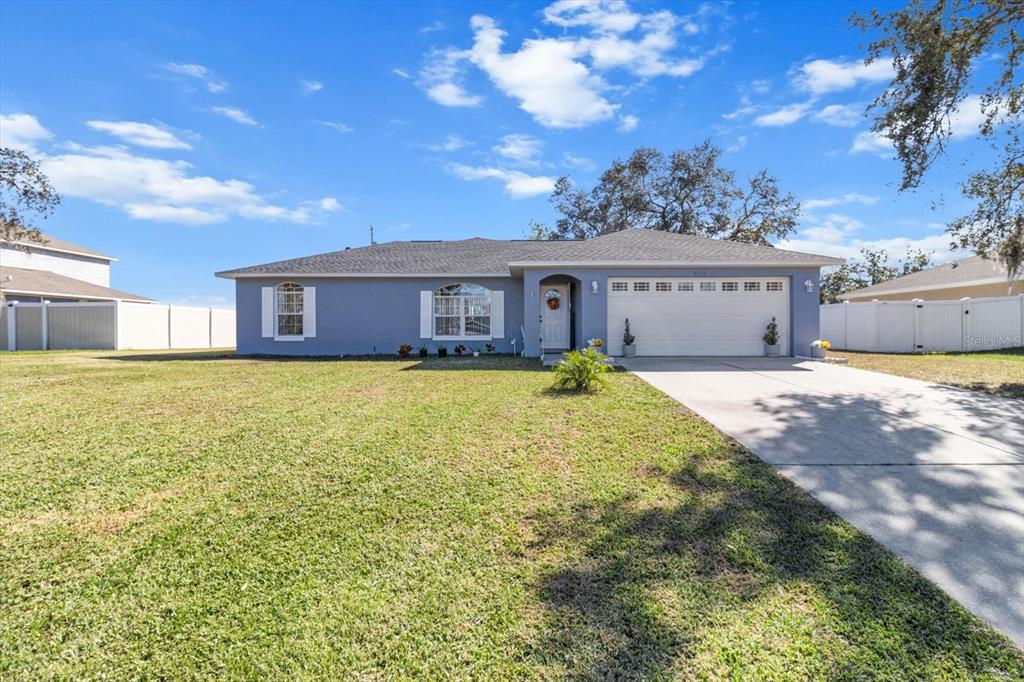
114, 325
921, 326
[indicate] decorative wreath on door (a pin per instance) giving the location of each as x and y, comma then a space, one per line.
553, 299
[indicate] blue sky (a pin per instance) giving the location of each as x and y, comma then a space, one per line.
189, 138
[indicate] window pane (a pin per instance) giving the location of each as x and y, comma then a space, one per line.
619, 286
641, 286
730, 286
751, 286
478, 326
289, 325
663, 286
685, 286
477, 306
707, 286
447, 326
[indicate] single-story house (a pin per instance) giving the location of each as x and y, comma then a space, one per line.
973, 277
683, 295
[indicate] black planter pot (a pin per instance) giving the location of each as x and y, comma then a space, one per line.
423, 352
442, 352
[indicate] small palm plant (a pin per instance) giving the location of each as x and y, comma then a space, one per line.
582, 370
771, 333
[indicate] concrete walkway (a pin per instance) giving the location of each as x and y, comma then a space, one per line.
934, 473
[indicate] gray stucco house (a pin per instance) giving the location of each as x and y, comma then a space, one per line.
683, 295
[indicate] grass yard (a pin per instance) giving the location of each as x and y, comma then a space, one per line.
187, 516
998, 372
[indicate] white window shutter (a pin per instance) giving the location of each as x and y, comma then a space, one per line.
267, 311
426, 314
498, 314
309, 312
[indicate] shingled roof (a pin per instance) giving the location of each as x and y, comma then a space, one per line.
494, 257
966, 271
57, 244
46, 283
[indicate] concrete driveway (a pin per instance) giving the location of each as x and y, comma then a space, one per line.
934, 473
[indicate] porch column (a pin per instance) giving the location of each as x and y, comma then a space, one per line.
531, 310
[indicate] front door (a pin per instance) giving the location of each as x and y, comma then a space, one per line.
554, 316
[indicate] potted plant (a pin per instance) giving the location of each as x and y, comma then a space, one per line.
771, 339
490, 348
423, 351
459, 349
819, 347
596, 344
628, 342
442, 352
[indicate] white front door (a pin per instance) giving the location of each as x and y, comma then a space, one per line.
554, 316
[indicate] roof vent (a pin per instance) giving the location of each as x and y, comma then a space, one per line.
348, 248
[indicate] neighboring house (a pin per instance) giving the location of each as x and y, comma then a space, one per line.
683, 295
973, 277
57, 271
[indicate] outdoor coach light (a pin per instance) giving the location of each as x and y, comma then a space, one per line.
594, 287
809, 286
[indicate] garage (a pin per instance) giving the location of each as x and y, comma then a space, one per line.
697, 315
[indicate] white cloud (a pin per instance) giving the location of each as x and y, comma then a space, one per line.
785, 116
871, 143
848, 198
844, 115
761, 87
517, 183
198, 300
401, 73
432, 27
184, 215
161, 190
235, 114
558, 81
22, 132
330, 204
452, 95
310, 87
337, 125
821, 76
199, 72
141, 134
739, 144
628, 123
441, 77
452, 143
519, 147
837, 235
570, 159
965, 121
190, 70
543, 75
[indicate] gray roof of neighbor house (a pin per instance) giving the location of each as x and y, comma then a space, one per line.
56, 244
496, 257
45, 283
963, 272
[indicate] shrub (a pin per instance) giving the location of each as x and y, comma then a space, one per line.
771, 333
490, 348
405, 350
442, 352
627, 336
582, 370
460, 349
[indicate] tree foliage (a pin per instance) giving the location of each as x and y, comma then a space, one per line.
874, 267
687, 192
24, 190
936, 47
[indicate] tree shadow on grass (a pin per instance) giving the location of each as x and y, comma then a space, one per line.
714, 578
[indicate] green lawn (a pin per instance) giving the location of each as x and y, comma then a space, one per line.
192, 516
998, 372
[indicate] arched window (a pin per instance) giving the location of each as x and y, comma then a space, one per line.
288, 309
462, 311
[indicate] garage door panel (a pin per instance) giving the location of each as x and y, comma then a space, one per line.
688, 321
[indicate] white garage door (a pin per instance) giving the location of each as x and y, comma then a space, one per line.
697, 315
